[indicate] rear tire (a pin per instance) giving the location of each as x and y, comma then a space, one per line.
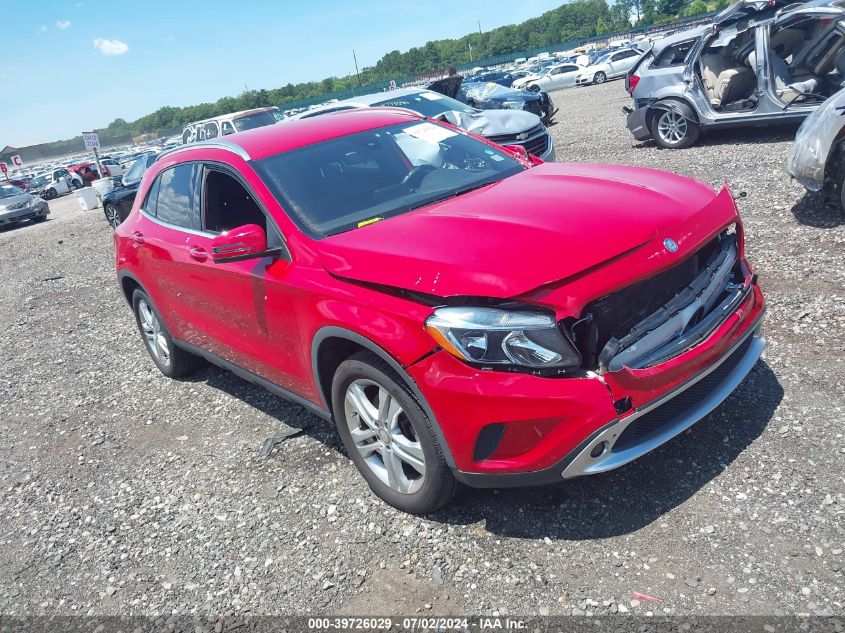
395, 447
172, 361
112, 214
599, 78
673, 131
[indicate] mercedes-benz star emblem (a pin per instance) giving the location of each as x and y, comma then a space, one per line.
671, 245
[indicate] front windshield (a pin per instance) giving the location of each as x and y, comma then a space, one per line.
7, 191
602, 59
38, 181
348, 182
252, 121
429, 104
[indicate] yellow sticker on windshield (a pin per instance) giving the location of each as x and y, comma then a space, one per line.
370, 221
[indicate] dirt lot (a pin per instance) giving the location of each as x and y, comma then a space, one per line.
124, 492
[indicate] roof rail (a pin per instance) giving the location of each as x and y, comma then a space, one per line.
224, 145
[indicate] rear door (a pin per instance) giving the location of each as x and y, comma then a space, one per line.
171, 216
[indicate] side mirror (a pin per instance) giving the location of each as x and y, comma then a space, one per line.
244, 242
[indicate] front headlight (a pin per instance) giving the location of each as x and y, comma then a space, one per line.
490, 336
512, 105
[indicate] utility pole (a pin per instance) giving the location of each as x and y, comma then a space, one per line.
470, 51
356, 67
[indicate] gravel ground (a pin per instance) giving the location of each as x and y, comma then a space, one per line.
124, 492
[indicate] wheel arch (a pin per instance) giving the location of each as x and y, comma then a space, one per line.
332, 345
129, 284
678, 105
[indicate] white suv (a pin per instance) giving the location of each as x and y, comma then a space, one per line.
609, 66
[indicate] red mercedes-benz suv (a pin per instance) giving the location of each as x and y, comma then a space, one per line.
462, 312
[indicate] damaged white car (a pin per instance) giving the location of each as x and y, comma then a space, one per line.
504, 127
817, 158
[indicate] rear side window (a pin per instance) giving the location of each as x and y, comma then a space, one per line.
150, 201
173, 198
674, 55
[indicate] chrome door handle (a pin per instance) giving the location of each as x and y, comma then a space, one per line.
199, 254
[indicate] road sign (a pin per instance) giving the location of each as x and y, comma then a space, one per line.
3, 168
91, 140
16, 160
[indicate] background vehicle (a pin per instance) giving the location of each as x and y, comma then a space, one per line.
226, 124
419, 304
817, 157
19, 206
495, 97
20, 183
118, 202
559, 76
753, 66
85, 173
504, 127
610, 66
54, 184
111, 167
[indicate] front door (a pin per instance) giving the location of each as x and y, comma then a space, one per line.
245, 308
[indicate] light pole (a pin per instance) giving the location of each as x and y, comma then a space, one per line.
470, 51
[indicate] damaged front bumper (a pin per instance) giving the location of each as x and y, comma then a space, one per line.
676, 365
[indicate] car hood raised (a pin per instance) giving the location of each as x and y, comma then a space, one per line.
494, 122
537, 227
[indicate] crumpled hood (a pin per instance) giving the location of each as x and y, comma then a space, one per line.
494, 122
540, 226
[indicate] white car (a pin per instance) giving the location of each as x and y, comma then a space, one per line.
555, 77
608, 66
111, 167
54, 184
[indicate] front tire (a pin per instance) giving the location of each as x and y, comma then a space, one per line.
533, 88
52, 194
389, 437
599, 78
672, 130
172, 361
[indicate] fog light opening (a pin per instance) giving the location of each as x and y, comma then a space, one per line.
598, 450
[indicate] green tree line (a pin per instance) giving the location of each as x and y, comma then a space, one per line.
574, 21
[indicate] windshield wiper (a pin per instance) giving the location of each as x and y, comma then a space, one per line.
453, 194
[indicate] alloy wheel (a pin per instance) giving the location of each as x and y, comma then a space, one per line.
384, 436
112, 215
672, 127
600, 78
153, 333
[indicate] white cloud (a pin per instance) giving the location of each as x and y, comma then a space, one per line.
62, 24
110, 47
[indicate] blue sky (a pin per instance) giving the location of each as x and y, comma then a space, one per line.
68, 66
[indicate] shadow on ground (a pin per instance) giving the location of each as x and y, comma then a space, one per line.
740, 136
599, 506
819, 211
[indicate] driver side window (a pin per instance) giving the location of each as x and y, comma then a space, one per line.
227, 204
